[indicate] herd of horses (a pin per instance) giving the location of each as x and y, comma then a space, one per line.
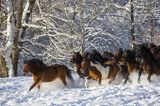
143, 58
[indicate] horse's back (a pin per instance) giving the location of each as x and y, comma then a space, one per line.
57, 68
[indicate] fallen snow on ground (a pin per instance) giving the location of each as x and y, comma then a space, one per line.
13, 92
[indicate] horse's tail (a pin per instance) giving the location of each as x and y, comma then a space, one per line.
69, 75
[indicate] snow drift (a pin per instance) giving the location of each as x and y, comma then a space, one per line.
13, 92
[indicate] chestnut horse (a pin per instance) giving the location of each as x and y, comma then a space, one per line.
43, 73
115, 68
98, 61
90, 72
84, 68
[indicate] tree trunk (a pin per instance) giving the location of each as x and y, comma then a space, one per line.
10, 36
132, 23
3, 68
23, 17
0, 13
82, 26
15, 49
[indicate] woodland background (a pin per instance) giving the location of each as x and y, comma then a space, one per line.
52, 30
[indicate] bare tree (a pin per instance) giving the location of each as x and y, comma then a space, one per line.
10, 36
20, 30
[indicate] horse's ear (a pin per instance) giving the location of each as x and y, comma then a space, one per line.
79, 52
25, 61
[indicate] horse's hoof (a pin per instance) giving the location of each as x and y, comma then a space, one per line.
124, 83
109, 82
86, 86
150, 81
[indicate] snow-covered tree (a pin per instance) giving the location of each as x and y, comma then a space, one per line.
10, 36
53, 29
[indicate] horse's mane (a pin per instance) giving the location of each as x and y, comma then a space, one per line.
118, 54
77, 57
95, 57
147, 53
130, 55
36, 62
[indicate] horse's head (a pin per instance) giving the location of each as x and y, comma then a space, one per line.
25, 68
143, 51
129, 56
153, 49
122, 60
138, 52
33, 65
118, 55
76, 58
85, 64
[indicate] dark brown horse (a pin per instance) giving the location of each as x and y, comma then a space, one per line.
43, 73
95, 57
148, 63
76, 60
155, 50
129, 59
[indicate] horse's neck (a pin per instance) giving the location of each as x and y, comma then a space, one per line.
103, 60
88, 64
34, 72
130, 67
148, 57
78, 66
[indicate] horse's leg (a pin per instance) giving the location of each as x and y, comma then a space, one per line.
99, 80
38, 86
139, 74
63, 79
86, 82
111, 80
113, 76
110, 72
149, 76
126, 78
34, 84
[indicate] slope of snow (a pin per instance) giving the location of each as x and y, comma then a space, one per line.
13, 92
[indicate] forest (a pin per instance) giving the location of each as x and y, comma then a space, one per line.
52, 30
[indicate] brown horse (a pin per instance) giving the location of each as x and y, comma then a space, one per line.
43, 73
129, 59
90, 72
77, 60
115, 68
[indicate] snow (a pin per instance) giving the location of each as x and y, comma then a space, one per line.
14, 92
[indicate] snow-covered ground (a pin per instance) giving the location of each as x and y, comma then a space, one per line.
13, 92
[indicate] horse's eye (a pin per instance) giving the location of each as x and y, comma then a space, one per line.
138, 59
